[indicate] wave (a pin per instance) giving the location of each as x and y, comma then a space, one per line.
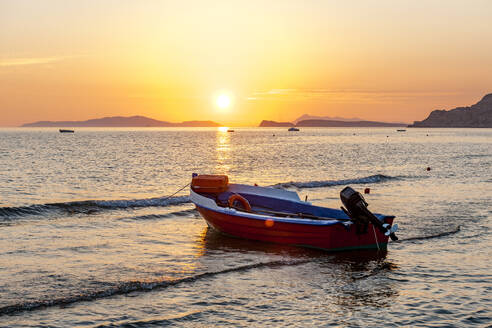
160, 216
471, 156
136, 286
442, 234
384, 266
88, 206
159, 321
377, 178
94, 206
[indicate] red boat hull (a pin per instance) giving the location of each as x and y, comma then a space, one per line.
335, 237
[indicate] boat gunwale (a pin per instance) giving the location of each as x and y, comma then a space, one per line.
201, 201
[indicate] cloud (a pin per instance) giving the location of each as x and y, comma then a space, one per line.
345, 95
30, 61
275, 92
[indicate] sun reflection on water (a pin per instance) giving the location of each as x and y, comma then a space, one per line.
222, 129
223, 151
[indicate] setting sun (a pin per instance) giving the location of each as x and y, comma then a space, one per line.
223, 101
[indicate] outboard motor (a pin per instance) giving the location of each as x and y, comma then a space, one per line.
356, 209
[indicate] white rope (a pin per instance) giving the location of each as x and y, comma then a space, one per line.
375, 237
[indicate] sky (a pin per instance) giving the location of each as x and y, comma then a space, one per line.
276, 60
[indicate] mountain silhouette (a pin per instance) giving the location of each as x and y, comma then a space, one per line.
121, 121
474, 116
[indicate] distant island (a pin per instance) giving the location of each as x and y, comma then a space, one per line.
475, 116
329, 118
266, 123
327, 121
121, 121
333, 123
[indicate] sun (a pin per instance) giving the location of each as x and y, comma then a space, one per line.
223, 101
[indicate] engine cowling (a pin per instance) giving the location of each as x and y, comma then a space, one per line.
356, 209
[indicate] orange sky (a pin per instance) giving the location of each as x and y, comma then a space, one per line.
383, 60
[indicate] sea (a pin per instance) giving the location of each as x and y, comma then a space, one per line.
97, 230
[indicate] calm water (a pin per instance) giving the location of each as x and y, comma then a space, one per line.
89, 238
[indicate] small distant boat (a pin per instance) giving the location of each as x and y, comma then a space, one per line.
280, 216
66, 131
401, 130
230, 130
293, 129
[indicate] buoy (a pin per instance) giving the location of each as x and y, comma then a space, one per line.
244, 202
428, 168
367, 190
256, 185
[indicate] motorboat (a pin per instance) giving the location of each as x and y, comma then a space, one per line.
66, 131
293, 129
279, 216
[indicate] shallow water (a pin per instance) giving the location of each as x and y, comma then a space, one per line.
89, 236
